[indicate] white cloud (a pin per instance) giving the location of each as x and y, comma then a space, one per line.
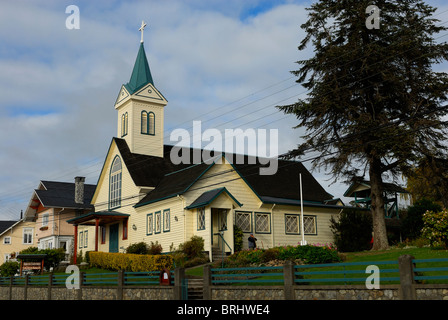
203, 57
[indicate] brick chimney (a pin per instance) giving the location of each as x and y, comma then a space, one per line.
79, 190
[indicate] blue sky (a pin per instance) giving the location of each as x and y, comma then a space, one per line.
224, 62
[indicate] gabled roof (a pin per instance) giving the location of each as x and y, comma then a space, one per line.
362, 188
6, 224
141, 75
170, 180
207, 197
62, 195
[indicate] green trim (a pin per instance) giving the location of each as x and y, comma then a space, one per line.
202, 209
157, 214
251, 219
270, 222
169, 220
147, 125
149, 232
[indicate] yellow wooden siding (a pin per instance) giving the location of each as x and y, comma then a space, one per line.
166, 238
16, 239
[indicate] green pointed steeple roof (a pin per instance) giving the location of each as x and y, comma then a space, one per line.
141, 75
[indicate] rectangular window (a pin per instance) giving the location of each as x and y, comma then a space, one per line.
149, 223
125, 229
28, 235
244, 220
292, 224
45, 218
7, 240
86, 242
201, 218
309, 225
81, 239
158, 222
166, 220
115, 190
262, 222
103, 234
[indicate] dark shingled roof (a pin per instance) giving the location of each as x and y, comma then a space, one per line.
5, 225
170, 179
62, 195
207, 197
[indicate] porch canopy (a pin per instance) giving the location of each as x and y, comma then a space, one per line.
95, 219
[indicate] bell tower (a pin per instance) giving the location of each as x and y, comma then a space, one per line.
140, 109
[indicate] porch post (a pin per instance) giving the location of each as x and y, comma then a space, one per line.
97, 222
76, 244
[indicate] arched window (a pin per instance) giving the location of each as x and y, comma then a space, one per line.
144, 122
115, 184
124, 124
148, 123
151, 124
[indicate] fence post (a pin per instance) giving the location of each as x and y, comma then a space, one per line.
179, 277
207, 276
50, 283
25, 288
81, 284
288, 278
120, 280
11, 282
406, 268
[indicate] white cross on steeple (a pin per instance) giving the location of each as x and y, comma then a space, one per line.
141, 29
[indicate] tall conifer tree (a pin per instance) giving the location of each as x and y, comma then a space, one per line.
375, 104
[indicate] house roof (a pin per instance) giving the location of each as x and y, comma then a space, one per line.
169, 179
207, 197
363, 188
6, 224
104, 217
62, 195
141, 74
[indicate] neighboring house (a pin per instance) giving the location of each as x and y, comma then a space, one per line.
141, 195
360, 191
15, 236
51, 205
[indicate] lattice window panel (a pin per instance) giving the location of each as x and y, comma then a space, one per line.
158, 225
309, 225
262, 222
201, 219
242, 220
292, 224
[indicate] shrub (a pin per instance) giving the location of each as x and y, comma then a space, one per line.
193, 248
9, 268
352, 231
137, 248
412, 223
130, 262
53, 258
155, 248
309, 254
237, 238
435, 228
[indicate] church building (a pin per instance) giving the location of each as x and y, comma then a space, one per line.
142, 195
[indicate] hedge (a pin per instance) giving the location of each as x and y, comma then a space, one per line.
130, 262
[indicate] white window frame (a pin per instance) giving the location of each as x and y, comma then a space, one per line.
45, 219
7, 242
201, 218
238, 220
27, 235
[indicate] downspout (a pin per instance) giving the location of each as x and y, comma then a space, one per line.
185, 216
272, 225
